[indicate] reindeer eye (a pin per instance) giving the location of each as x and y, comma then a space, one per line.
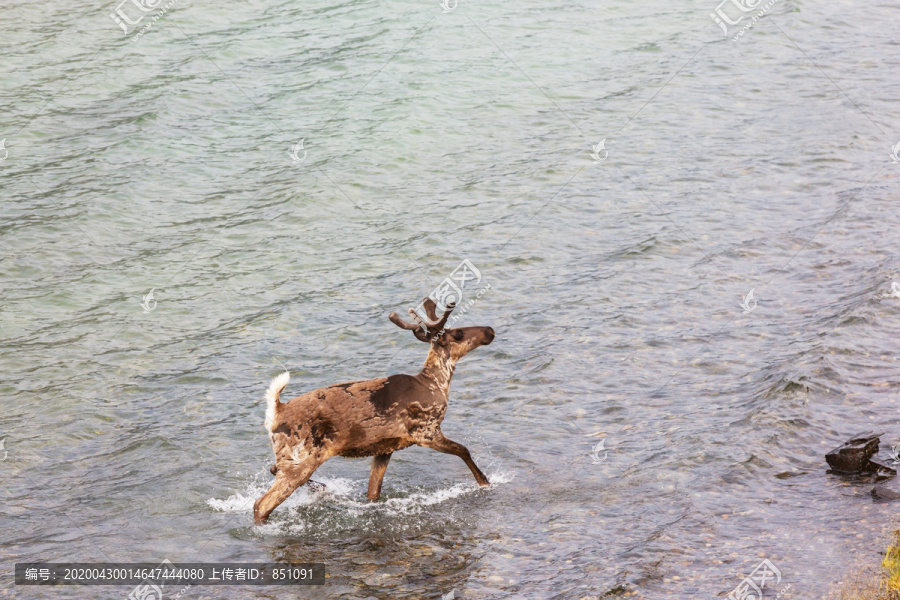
457, 335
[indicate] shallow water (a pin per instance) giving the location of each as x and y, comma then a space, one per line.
162, 162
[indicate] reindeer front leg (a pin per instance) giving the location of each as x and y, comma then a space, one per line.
443, 444
379, 466
287, 481
283, 487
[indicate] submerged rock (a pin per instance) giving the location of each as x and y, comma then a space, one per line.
854, 456
883, 494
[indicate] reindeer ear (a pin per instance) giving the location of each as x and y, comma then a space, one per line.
417, 330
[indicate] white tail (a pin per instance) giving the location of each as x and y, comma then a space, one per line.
272, 395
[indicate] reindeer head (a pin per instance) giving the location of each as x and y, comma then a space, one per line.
455, 342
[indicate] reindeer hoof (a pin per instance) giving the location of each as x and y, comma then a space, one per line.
319, 487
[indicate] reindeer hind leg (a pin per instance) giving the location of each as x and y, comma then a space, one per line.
376, 476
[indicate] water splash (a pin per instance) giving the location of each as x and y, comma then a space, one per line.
342, 505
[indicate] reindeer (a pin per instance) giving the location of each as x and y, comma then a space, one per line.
369, 418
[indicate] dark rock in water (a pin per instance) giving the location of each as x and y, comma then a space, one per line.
853, 456
865, 436
789, 474
876, 467
882, 494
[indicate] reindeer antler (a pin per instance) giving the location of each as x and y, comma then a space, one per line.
433, 324
424, 329
430, 309
417, 330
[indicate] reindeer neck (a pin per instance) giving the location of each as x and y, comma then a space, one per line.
438, 368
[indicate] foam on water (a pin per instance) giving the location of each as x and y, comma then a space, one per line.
258, 485
342, 504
